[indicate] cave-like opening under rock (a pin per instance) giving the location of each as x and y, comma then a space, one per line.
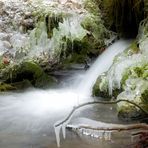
124, 16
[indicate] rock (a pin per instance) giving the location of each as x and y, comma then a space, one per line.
28, 23
22, 85
7, 44
136, 90
27, 70
6, 87
127, 78
100, 89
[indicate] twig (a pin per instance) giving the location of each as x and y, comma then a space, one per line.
99, 102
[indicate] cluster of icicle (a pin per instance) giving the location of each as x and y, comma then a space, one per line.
70, 29
116, 72
100, 134
124, 61
58, 130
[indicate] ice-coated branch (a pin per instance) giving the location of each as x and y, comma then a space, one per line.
114, 127
98, 102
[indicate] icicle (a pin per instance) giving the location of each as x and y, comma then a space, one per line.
132, 139
110, 87
64, 130
92, 133
102, 134
57, 133
84, 131
95, 134
107, 135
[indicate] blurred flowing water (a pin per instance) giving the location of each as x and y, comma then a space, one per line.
27, 118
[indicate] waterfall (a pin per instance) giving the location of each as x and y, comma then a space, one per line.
84, 88
102, 64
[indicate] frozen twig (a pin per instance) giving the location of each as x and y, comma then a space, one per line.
98, 102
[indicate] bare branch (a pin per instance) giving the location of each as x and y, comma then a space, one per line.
99, 102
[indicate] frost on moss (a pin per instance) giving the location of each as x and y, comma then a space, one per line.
101, 87
58, 26
6, 87
135, 91
128, 77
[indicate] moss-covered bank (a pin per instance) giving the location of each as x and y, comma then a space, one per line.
128, 77
49, 35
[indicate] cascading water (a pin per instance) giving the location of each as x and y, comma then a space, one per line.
28, 110
101, 65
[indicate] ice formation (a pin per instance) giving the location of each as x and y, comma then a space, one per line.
115, 74
85, 86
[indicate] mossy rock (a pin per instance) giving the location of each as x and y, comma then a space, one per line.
6, 87
77, 51
28, 70
135, 71
129, 113
92, 6
100, 89
137, 92
22, 85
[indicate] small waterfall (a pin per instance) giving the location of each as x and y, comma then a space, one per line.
102, 64
84, 88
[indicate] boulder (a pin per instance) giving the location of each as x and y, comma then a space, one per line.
137, 92
27, 70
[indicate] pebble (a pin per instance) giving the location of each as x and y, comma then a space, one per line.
7, 44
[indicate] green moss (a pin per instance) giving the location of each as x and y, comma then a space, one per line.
94, 25
78, 51
137, 71
28, 70
92, 6
100, 89
129, 113
144, 97
2, 65
52, 22
6, 87
134, 47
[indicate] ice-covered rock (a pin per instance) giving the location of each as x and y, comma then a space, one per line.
127, 78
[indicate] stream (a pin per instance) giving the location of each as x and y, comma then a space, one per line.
27, 118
